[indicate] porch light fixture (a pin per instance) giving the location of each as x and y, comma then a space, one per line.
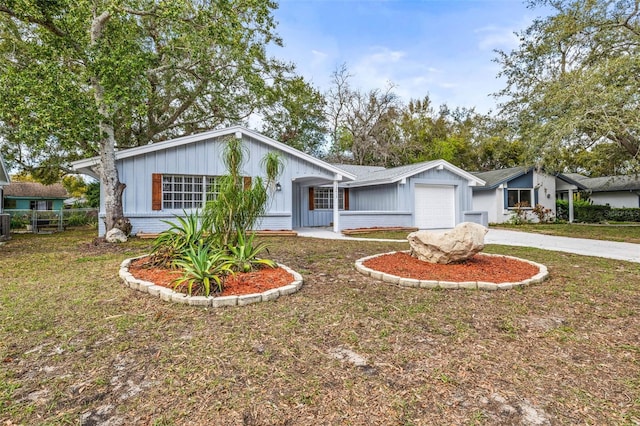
278, 187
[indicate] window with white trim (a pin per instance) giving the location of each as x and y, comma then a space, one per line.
323, 198
188, 191
520, 198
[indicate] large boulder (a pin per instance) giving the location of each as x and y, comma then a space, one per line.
456, 245
116, 235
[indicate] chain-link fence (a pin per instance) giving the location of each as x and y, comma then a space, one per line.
50, 220
5, 226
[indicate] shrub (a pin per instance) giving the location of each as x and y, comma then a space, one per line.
590, 213
519, 216
543, 214
19, 221
583, 211
624, 215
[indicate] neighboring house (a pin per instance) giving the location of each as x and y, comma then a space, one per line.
616, 191
166, 177
34, 196
506, 189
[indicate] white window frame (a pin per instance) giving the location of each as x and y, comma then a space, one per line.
323, 198
182, 192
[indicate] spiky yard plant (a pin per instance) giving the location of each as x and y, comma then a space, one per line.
186, 232
203, 268
244, 254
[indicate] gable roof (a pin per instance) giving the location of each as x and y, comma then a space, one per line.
358, 170
576, 176
612, 183
4, 175
495, 178
86, 166
396, 174
35, 190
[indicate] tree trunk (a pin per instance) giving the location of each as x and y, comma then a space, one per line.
111, 185
113, 188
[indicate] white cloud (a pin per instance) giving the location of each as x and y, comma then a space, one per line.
440, 49
493, 37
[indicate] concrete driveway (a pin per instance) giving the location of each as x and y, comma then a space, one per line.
607, 249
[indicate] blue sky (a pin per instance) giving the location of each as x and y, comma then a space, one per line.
439, 48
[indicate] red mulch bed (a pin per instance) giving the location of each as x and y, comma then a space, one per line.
241, 283
493, 269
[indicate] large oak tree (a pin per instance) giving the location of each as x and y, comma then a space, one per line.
89, 77
574, 80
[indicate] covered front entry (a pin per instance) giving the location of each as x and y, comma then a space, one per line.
435, 206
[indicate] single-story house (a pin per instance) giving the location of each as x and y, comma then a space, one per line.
509, 189
166, 177
616, 191
34, 196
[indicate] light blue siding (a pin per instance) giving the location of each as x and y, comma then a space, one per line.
370, 219
390, 204
205, 158
379, 198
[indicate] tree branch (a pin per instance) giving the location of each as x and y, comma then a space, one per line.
47, 24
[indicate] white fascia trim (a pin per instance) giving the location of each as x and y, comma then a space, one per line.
132, 152
473, 180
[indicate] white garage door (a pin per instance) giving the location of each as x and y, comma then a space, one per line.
435, 206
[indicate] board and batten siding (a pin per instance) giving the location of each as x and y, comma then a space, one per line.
205, 158
463, 197
394, 204
375, 198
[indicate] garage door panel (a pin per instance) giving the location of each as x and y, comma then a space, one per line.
435, 206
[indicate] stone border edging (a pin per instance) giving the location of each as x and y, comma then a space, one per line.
542, 275
170, 295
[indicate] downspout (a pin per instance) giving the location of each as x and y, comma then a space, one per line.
570, 205
336, 210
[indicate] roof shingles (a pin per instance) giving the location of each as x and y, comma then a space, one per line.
35, 190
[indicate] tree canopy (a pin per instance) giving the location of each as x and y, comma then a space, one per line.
82, 78
573, 81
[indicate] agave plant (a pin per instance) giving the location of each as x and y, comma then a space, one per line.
244, 254
174, 242
203, 268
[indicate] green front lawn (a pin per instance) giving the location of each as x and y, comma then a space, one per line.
77, 346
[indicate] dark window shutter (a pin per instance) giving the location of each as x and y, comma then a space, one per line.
346, 198
156, 191
246, 182
311, 199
